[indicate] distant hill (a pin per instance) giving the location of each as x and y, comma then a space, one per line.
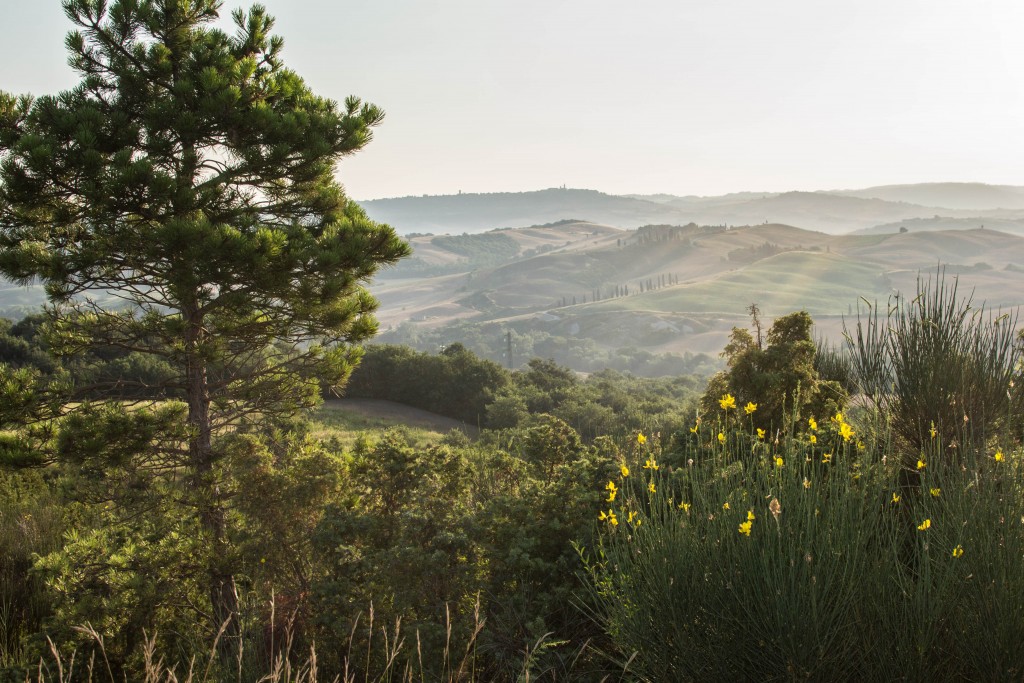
697, 200
472, 213
976, 196
934, 224
834, 213
17, 301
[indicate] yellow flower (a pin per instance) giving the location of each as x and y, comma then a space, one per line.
826, 458
610, 486
958, 551
650, 487
935, 492
779, 462
933, 431
624, 470
895, 497
631, 516
684, 506
807, 483
745, 528
998, 456
860, 445
641, 439
725, 505
612, 519
838, 419
845, 431
727, 401
750, 408
611, 496
921, 464
750, 516
814, 439
721, 437
760, 433
693, 429
925, 525
650, 464
812, 423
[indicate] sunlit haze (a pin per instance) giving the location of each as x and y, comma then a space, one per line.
655, 96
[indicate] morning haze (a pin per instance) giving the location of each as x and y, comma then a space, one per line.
682, 98
831, 123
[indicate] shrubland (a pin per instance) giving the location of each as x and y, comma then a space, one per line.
743, 535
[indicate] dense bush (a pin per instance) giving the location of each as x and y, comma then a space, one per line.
455, 383
489, 340
778, 373
765, 561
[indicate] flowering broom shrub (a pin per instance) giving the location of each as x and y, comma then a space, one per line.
803, 558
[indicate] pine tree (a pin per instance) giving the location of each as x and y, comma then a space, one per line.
181, 202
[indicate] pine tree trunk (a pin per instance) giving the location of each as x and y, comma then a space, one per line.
223, 596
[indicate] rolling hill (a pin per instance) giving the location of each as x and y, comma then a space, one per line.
682, 289
598, 274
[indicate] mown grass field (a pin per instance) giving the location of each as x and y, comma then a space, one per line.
348, 420
821, 283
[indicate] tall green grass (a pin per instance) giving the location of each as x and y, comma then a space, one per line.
938, 361
30, 524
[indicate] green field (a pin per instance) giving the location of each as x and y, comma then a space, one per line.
820, 283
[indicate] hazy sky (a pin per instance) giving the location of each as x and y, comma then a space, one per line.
650, 96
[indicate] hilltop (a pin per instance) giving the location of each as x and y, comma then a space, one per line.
833, 212
487, 211
967, 196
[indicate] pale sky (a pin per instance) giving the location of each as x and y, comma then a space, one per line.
647, 96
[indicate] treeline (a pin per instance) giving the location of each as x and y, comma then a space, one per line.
95, 373
476, 251
455, 383
484, 247
458, 384
490, 341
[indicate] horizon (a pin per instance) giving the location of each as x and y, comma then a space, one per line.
696, 196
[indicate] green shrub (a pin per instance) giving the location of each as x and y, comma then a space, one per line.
938, 362
778, 374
